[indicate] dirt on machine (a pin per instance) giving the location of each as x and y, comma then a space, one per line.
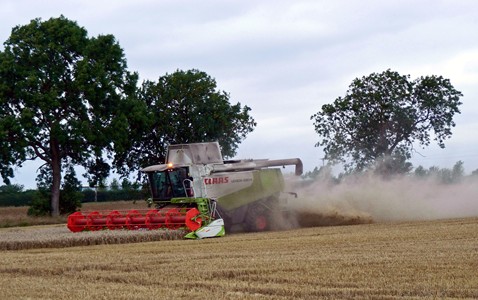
200, 192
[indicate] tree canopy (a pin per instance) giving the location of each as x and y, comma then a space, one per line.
183, 107
383, 115
68, 99
62, 98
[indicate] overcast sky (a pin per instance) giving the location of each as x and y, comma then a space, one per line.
285, 59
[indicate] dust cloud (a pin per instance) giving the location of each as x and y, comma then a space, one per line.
368, 199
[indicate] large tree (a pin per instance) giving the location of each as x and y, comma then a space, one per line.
183, 107
383, 115
62, 96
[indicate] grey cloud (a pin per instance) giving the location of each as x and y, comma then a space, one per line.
285, 59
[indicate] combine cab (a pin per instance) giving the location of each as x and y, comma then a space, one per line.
200, 192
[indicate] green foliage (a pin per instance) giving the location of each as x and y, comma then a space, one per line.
39, 201
118, 195
183, 107
70, 194
40, 205
323, 174
127, 191
442, 175
13, 195
114, 185
382, 115
61, 98
71, 197
97, 170
396, 163
66, 98
421, 172
11, 188
311, 174
458, 171
126, 184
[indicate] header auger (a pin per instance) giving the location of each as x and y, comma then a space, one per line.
196, 190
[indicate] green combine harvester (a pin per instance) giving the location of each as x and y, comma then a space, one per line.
199, 191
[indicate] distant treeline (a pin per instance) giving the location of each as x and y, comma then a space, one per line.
15, 196
440, 175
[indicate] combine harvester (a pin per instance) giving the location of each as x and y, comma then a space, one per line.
200, 192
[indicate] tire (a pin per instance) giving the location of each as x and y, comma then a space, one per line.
257, 219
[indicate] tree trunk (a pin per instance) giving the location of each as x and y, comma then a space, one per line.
56, 172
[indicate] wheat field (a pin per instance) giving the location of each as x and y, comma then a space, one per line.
413, 260
17, 216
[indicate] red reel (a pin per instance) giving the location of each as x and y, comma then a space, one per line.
175, 218
154, 219
95, 221
76, 222
135, 220
115, 220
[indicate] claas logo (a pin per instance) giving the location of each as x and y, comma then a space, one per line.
216, 180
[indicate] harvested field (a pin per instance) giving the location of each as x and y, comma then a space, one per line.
17, 216
412, 260
58, 236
